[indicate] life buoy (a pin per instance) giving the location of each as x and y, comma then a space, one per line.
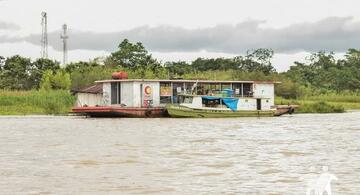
148, 90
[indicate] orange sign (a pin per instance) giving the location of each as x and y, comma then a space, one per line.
147, 93
148, 90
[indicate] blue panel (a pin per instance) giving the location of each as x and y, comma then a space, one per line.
231, 103
210, 98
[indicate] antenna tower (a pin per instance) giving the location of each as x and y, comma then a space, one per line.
64, 37
44, 38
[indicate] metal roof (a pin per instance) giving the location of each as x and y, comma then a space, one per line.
95, 89
183, 81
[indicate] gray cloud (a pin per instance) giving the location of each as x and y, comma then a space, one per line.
8, 26
331, 34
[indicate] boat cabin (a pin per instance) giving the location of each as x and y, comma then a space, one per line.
140, 93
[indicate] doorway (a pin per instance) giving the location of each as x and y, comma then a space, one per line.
258, 104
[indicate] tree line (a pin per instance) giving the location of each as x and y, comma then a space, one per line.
321, 73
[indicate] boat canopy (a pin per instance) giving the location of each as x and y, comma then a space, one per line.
229, 102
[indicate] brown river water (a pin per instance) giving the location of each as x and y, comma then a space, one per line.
77, 155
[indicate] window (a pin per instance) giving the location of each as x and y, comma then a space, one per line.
237, 87
248, 89
165, 93
211, 103
189, 88
165, 89
188, 100
201, 89
165, 99
178, 88
225, 86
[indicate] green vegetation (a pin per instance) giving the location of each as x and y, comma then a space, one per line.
35, 102
333, 97
321, 84
322, 104
60, 80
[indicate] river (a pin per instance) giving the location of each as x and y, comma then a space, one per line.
77, 155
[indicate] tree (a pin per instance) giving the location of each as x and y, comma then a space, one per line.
258, 60
130, 55
59, 80
201, 64
134, 57
45, 83
81, 66
324, 73
2, 62
39, 67
178, 68
16, 73
352, 58
87, 76
20, 73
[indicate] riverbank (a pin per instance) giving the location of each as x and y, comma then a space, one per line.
320, 104
35, 102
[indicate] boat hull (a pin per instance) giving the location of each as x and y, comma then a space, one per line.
285, 109
185, 112
118, 111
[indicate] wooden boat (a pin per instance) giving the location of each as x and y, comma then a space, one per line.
199, 107
179, 111
118, 111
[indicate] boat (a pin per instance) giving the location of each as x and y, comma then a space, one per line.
120, 111
220, 107
123, 97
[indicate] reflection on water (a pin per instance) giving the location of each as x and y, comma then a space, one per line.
76, 155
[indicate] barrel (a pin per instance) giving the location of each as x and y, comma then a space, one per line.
119, 75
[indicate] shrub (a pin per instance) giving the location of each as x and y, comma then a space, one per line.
45, 83
60, 80
321, 107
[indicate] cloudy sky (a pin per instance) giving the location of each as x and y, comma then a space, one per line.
183, 29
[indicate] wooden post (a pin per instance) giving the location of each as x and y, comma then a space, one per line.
171, 92
242, 89
141, 96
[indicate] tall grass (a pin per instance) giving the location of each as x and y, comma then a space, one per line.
321, 107
332, 97
35, 102
318, 105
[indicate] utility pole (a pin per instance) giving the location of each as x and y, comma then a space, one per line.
64, 37
44, 37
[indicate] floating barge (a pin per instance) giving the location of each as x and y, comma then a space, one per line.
122, 97
119, 111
